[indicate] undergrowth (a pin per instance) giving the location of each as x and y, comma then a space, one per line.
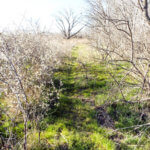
72, 123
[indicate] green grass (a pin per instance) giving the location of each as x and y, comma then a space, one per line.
72, 123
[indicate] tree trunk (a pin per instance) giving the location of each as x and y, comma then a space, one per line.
25, 133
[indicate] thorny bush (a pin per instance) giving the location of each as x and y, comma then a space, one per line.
27, 64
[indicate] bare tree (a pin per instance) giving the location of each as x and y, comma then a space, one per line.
27, 63
69, 23
117, 34
120, 32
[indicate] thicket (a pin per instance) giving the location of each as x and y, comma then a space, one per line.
28, 92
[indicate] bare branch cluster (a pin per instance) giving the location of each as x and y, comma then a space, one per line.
121, 34
27, 64
69, 23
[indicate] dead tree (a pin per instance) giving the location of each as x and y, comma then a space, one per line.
69, 23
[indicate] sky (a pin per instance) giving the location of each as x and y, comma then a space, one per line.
21, 14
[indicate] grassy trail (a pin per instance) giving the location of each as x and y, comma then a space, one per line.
74, 124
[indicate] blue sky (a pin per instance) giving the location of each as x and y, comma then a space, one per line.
23, 13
